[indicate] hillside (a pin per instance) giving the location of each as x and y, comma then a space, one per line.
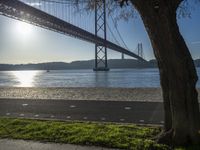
88, 64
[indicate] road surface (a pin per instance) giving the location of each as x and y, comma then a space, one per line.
105, 111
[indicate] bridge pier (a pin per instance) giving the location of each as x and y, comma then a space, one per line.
101, 63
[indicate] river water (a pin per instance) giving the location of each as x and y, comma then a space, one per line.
125, 78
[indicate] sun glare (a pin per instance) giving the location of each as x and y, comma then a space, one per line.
24, 29
25, 78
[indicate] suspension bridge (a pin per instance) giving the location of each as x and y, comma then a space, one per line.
67, 17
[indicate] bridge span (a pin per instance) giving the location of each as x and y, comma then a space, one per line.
21, 11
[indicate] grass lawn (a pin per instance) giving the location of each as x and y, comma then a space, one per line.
111, 135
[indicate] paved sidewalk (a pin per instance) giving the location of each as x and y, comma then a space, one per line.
6, 144
106, 111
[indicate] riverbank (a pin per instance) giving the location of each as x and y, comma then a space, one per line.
107, 94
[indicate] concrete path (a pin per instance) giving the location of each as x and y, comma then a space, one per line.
106, 111
6, 144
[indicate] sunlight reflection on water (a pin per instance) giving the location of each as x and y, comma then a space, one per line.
25, 78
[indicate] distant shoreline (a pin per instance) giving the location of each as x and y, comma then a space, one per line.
86, 64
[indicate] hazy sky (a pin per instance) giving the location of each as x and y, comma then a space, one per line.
23, 43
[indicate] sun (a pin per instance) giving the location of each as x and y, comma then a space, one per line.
23, 29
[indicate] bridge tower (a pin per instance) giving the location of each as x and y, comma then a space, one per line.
101, 63
123, 56
140, 50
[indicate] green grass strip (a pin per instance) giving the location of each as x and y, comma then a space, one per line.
110, 135
83, 133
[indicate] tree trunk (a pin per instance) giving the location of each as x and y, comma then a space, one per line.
177, 73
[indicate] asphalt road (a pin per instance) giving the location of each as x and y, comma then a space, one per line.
106, 111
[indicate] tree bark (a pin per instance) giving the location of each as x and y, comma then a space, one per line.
177, 72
